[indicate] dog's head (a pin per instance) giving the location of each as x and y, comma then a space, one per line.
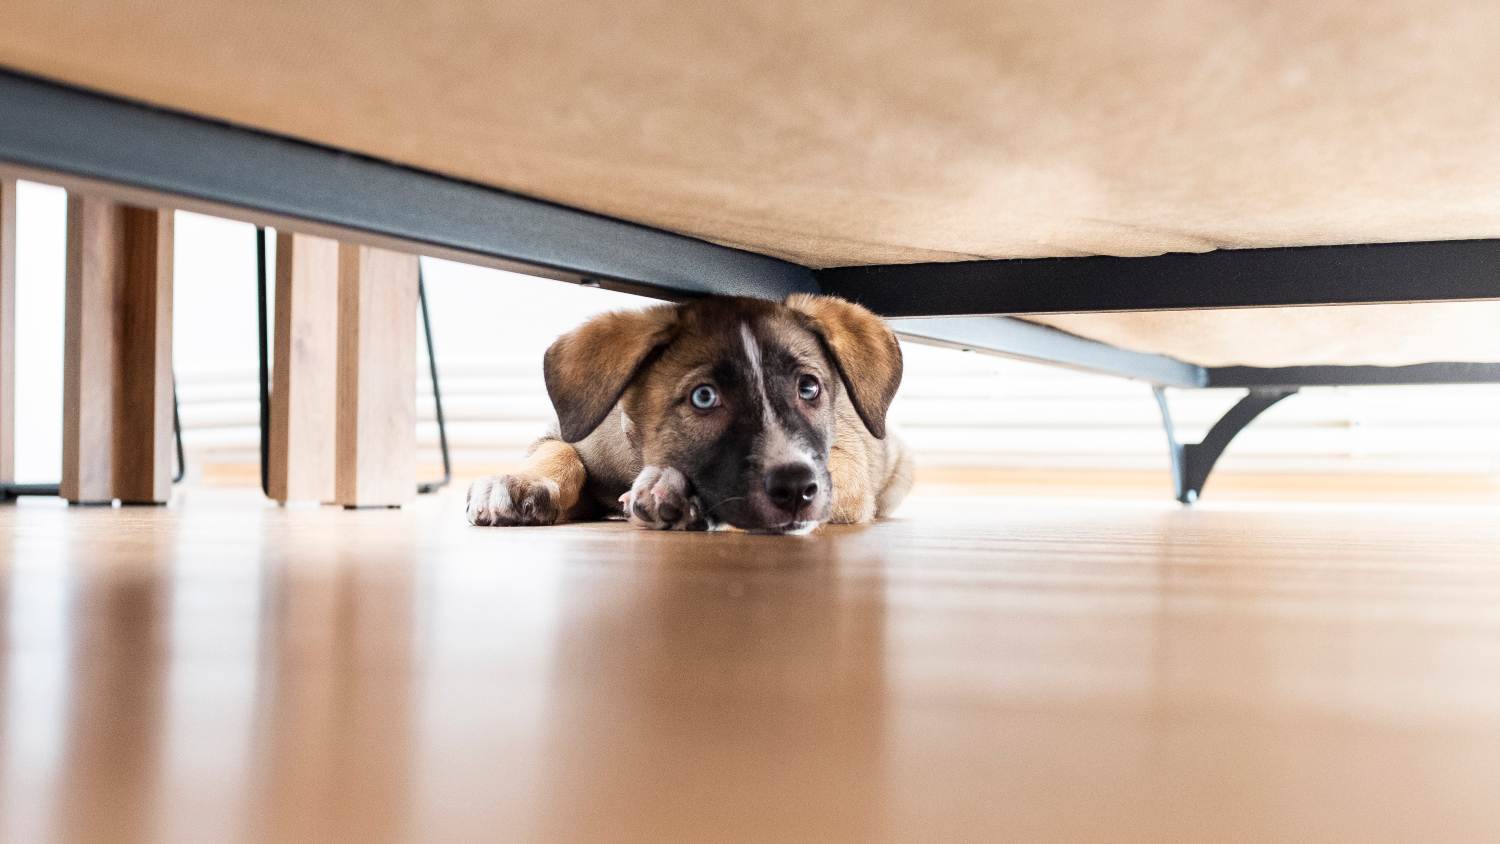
740, 395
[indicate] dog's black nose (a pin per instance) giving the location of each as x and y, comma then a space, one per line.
791, 486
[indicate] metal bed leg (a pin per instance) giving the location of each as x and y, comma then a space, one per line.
437, 395
10, 492
265, 361
177, 434
1192, 462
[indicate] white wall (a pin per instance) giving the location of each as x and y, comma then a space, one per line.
41, 226
491, 328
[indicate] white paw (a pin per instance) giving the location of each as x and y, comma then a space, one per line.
661, 499
508, 500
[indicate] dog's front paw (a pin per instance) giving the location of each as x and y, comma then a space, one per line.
661, 499
509, 500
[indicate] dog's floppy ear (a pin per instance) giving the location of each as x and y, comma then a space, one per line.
864, 350
588, 368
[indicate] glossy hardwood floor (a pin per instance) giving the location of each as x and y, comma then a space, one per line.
983, 669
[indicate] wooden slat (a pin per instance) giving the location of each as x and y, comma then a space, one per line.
7, 330
117, 360
95, 249
377, 393
304, 382
143, 400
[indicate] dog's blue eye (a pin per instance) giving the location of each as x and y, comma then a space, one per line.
808, 387
705, 397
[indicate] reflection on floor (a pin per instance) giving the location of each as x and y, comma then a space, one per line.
981, 669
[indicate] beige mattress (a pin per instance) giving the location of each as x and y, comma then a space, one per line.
835, 133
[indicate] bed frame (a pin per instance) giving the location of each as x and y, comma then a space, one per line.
149, 156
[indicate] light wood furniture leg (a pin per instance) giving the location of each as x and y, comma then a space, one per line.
117, 359
7, 331
143, 412
376, 443
304, 398
95, 248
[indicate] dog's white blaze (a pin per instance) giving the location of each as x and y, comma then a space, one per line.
780, 447
752, 354
776, 438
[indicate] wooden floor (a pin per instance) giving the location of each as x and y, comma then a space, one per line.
983, 669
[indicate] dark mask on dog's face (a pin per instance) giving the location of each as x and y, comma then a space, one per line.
741, 396
742, 404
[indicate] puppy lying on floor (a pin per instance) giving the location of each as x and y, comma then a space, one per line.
722, 412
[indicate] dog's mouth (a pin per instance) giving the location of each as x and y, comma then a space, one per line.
789, 528
801, 528
794, 527
756, 513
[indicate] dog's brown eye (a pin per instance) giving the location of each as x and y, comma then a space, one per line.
808, 387
705, 397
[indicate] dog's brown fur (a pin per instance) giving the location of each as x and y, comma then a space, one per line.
629, 441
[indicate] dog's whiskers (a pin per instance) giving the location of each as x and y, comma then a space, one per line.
722, 502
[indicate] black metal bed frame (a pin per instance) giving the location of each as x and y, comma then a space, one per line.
138, 153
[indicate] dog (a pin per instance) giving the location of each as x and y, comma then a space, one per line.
723, 412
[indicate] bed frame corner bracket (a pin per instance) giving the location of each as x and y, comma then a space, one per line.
1192, 462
